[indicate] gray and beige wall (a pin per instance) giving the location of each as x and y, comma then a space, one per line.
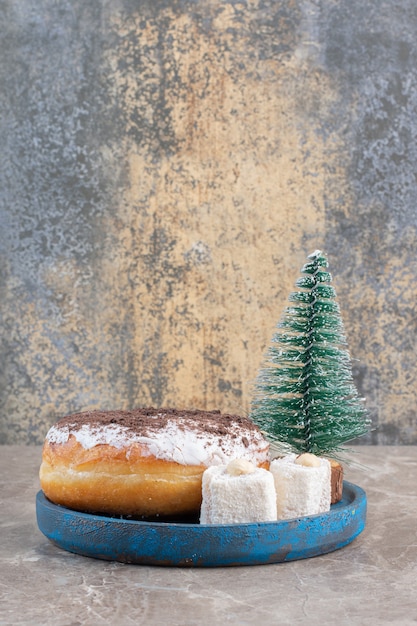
167, 166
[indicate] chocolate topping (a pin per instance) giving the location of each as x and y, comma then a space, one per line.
145, 421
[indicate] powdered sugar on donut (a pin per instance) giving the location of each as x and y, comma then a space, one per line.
90, 436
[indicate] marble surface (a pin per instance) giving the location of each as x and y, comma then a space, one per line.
371, 581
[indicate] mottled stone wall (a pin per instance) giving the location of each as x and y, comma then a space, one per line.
166, 167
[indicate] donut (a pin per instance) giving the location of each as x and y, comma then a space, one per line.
144, 462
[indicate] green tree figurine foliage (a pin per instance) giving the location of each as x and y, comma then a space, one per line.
305, 399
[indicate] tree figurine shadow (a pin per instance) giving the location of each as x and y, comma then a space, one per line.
305, 399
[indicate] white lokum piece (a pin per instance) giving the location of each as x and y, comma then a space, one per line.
237, 493
302, 485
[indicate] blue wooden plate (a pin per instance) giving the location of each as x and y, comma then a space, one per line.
196, 545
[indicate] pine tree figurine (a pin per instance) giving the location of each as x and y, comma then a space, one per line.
305, 399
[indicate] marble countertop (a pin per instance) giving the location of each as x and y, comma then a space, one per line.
372, 581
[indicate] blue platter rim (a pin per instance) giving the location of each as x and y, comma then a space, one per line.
180, 544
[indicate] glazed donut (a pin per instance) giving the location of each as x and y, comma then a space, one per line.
144, 462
